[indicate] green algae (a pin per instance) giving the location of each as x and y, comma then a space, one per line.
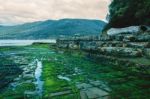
124, 82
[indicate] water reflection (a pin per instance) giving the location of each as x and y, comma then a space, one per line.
38, 73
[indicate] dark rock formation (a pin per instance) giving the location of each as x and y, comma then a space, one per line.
7, 74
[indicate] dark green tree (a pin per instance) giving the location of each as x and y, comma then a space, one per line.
129, 12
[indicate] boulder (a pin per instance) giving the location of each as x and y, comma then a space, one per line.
126, 30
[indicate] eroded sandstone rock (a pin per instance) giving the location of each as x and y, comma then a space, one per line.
120, 51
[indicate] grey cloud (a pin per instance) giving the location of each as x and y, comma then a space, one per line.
21, 11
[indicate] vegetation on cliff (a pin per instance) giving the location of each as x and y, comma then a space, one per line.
129, 12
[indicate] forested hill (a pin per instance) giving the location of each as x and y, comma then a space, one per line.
52, 29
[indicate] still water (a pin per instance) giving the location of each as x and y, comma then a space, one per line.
23, 42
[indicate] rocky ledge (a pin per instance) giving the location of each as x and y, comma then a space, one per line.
132, 46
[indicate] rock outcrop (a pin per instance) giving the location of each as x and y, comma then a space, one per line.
115, 31
127, 46
127, 30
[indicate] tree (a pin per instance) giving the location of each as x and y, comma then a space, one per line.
129, 12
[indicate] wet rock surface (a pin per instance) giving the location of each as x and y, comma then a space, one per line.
123, 69
20, 63
93, 90
60, 72
129, 46
128, 53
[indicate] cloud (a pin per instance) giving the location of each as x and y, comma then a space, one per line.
21, 11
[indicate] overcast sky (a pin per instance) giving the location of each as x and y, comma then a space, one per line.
21, 11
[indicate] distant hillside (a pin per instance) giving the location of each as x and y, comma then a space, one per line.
52, 29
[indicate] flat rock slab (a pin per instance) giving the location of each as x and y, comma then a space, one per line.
60, 93
96, 83
94, 93
91, 95
84, 86
83, 95
30, 93
101, 85
105, 97
93, 90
